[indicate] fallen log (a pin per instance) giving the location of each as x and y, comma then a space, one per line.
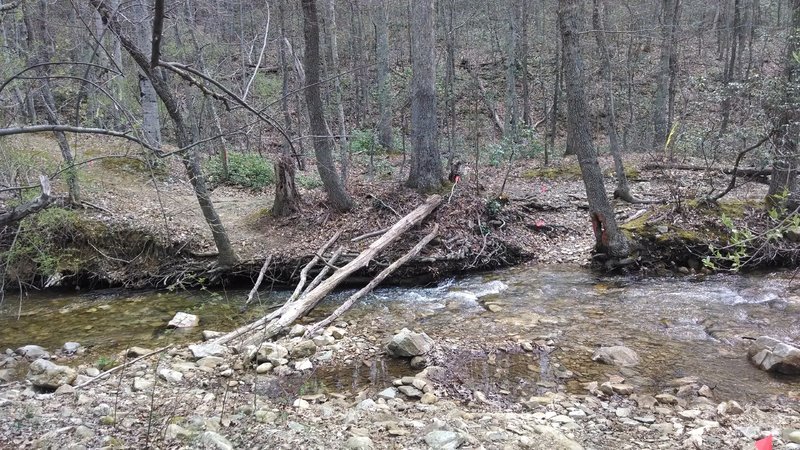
271, 325
375, 282
741, 171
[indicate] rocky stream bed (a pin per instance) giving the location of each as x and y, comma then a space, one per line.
516, 359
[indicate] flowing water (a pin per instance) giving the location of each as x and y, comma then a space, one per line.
679, 327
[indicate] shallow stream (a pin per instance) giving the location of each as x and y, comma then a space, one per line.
679, 327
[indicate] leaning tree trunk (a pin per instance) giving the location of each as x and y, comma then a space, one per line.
39, 43
609, 239
323, 147
622, 191
227, 256
426, 162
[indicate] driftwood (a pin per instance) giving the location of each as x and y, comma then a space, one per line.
324, 272
375, 282
259, 280
39, 203
272, 324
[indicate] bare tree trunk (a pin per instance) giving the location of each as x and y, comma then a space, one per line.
607, 75
41, 46
384, 101
661, 101
783, 186
323, 147
227, 255
450, 80
526, 100
551, 136
287, 198
148, 98
729, 73
426, 163
344, 148
609, 239
511, 72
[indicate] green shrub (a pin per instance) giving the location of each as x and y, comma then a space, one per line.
244, 170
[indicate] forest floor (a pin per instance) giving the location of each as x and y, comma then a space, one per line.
498, 215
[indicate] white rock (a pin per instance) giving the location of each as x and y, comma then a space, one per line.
212, 440
303, 365
184, 320
210, 349
170, 376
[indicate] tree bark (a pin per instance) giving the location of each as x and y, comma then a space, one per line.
344, 148
783, 187
609, 240
526, 100
148, 97
287, 198
227, 256
323, 147
661, 102
511, 73
426, 163
607, 76
382, 50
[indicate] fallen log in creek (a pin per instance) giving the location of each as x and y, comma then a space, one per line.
300, 304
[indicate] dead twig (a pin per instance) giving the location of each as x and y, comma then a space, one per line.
120, 367
260, 278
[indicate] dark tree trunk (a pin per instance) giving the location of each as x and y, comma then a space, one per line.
526, 94
426, 163
382, 50
323, 146
783, 187
609, 240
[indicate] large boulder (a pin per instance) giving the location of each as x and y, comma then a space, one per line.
49, 375
208, 349
773, 355
407, 343
33, 352
303, 349
617, 355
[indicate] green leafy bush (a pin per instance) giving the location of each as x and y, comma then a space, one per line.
244, 170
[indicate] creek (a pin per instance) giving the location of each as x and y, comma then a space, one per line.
678, 326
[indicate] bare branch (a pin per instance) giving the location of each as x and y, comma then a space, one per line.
10, 6
39, 203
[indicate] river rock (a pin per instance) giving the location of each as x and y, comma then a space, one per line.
175, 431
443, 440
271, 352
297, 330
730, 407
773, 355
142, 384
388, 393
170, 376
46, 374
303, 349
184, 320
205, 350
359, 443
210, 334
264, 368
617, 355
303, 364
135, 352
70, 348
212, 440
407, 344
33, 352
